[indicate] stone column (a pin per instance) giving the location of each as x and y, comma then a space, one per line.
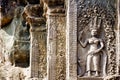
56, 40
38, 48
118, 38
38, 57
56, 47
51, 48
71, 40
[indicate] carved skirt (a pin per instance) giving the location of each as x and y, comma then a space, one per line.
93, 62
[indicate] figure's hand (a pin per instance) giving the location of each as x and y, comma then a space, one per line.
92, 52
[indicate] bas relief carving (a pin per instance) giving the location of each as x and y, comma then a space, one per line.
95, 52
96, 38
38, 52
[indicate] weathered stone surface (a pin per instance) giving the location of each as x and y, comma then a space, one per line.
38, 63
56, 39
87, 11
61, 51
44, 40
38, 56
5, 20
71, 40
11, 73
6, 12
56, 47
118, 38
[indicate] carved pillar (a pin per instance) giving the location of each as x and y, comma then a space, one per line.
56, 40
118, 38
56, 47
51, 50
38, 48
38, 57
71, 41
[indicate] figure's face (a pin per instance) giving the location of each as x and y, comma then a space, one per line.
94, 32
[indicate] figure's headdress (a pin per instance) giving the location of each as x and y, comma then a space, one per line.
95, 23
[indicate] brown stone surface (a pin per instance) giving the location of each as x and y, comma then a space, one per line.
38, 63
38, 55
5, 20
56, 47
7, 9
61, 51
41, 39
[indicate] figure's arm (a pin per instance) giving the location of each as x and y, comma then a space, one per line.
101, 46
83, 44
80, 38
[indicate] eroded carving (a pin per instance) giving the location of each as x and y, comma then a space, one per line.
53, 6
93, 54
60, 53
87, 10
7, 12
33, 16
61, 39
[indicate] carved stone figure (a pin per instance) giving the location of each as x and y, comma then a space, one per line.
40, 39
93, 55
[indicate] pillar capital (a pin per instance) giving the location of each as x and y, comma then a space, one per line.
54, 7
33, 16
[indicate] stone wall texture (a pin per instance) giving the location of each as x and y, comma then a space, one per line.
59, 39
